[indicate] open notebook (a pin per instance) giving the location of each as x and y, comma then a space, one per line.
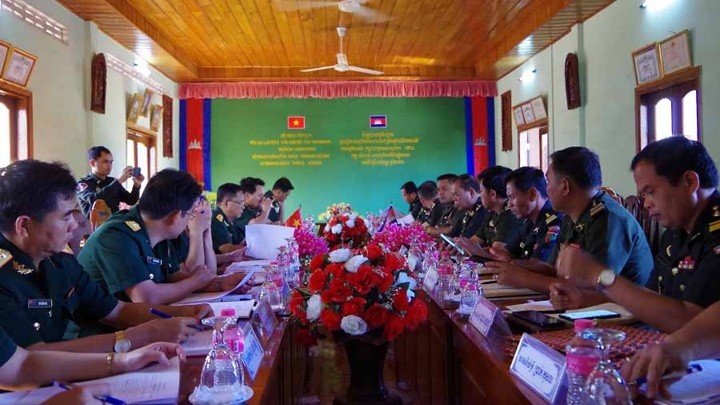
151, 385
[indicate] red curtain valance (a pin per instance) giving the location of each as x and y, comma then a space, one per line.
255, 90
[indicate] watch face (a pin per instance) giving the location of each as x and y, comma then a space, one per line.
607, 277
122, 346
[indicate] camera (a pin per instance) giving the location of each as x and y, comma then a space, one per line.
136, 172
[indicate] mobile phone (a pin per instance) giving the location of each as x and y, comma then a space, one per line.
537, 318
594, 314
136, 172
451, 243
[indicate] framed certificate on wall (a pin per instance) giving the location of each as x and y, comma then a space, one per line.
18, 67
675, 53
647, 64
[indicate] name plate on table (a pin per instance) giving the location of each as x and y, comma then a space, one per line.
483, 316
252, 353
430, 279
540, 367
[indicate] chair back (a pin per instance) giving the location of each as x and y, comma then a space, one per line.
99, 213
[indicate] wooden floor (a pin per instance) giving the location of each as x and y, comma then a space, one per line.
330, 375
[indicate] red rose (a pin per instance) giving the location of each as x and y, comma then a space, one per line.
417, 313
317, 262
331, 320
336, 269
373, 252
362, 280
301, 316
339, 291
383, 281
394, 327
296, 301
306, 338
393, 262
353, 307
400, 300
316, 282
376, 316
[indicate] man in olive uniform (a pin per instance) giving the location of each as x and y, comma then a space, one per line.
466, 194
99, 185
119, 255
230, 206
451, 214
257, 206
677, 179
280, 192
432, 208
42, 289
500, 227
409, 194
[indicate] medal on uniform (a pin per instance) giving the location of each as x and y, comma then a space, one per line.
21, 268
154, 260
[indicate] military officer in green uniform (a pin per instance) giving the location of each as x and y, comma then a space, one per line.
230, 206
432, 209
99, 185
280, 192
42, 289
409, 194
466, 194
257, 206
450, 215
119, 255
677, 180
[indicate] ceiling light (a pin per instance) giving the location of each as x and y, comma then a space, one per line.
528, 76
349, 6
142, 67
655, 5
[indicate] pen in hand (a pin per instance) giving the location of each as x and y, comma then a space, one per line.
162, 314
103, 398
693, 368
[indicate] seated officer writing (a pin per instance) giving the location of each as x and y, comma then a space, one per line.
120, 256
432, 208
230, 206
42, 289
450, 214
99, 185
466, 194
677, 179
500, 228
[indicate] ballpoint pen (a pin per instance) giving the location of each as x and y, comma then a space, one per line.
162, 314
104, 398
693, 368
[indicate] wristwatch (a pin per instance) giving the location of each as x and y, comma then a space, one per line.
122, 343
606, 279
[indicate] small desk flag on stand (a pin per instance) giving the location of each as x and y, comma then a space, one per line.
295, 220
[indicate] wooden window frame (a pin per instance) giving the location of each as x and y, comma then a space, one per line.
693, 74
543, 128
21, 120
147, 138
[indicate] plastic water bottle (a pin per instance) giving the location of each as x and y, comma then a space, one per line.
233, 336
470, 296
581, 355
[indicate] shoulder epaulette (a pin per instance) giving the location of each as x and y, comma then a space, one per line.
596, 209
5, 257
133, 225
549, 218
714, 226
219, 217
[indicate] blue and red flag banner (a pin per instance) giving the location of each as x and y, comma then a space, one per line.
479, 133
296, 122
195, 139
378, 121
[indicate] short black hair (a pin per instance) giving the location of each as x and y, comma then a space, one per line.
409, 187
428, 190
674, 156
580, 165
32, 188
525, 178
227, 191
169, 190
467, 182
250, 184
493, 178
447, 176
95, 152
283, 184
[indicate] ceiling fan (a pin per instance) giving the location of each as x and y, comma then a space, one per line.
346, 6
342, 64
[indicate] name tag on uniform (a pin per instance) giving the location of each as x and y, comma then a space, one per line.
154, 260
39, 303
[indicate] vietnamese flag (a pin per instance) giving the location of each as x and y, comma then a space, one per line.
296, 122
295, 220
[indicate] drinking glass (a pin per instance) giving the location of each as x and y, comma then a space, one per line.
604, 384
222, 379
269, 291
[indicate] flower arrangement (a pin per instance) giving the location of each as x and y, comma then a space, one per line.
309, 244
346, 228
395, 236
335, 209
358, 292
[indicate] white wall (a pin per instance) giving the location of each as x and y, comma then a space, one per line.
63, 125
604, 43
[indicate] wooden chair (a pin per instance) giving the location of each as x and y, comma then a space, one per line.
99, 213
79, 234
615, 196
653, 230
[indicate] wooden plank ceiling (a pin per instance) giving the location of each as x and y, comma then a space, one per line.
251, 40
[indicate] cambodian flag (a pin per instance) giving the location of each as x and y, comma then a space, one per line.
378, 121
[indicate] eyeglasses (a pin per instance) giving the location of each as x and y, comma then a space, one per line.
241, 203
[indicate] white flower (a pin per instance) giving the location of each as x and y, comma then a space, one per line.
354, 263
404, 278
353, 325
350, 223
340, 255
336, 229
352, 217
314, 307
